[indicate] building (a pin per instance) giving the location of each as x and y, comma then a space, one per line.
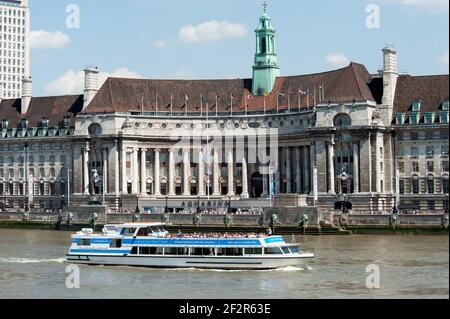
14, 47
292, 141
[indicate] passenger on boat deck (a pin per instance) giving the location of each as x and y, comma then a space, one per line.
216, 235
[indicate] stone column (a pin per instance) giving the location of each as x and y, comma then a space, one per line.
331, 176
278, 177
201, 174
86, 170
298, 171
355, 168
135, 172
143, 172
266, 191
230, 173
171, 173
307, 183
186, 173
105, 171
216, 190
245, 193
116, 168
156, 176
124, 170
288, 171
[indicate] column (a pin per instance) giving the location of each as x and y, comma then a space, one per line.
86, 170
171, 173
244, 194
124, 170
298, 171
230, 173
288, 171
307, 183
201, 174
143, 172
277, 178
331, 177
116, 167
355, 168
265, 192
105, 171
156, 177
216, 191
186, 173
135, 172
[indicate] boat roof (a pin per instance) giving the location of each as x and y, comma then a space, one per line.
135, 225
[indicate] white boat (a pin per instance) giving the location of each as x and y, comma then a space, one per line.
150, 245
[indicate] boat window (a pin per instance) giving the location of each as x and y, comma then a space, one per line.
202, 251
116, 243
143, 232
253, 251
150, 250
230, 251
84, 242
176, 251
134, 251
286, 250
273, 251
295, 249
128, 231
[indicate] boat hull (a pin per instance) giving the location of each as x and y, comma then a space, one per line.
227, 263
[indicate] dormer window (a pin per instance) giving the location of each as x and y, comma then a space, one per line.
416, 106
24, 123
66, 121
414, 118
400, 118
5, 123
44, 122
429, 118
445, 106
443, 117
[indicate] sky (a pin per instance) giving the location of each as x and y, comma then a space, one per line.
215, 39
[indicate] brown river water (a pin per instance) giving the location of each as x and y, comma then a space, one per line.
32, 266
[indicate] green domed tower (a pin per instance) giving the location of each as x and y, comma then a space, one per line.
265, 69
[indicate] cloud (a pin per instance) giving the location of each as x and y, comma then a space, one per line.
212, 31
182, 74
337, 59
160, 44
444, 58
72, 82
41, 39
431, 5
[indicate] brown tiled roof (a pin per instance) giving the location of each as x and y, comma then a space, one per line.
431, 90
351, 83
55, 108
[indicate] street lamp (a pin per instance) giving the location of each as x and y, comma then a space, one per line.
167, 205
229, 204
198, 204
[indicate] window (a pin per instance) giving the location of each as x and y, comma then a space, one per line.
401, 167
430, 186
253, 251
401, 186
431, 205
414, 136
401, 151
414, 118
444, 149
273, 251
444, 135
416, 105
414, 151
400, 136
445, 106
430, 150
445, 205
429, 136
381, 167
415, 186
445, 166
400, 118
342, 120
445, 186
430, 166
443, 117
429, 118
415, 167
52, 160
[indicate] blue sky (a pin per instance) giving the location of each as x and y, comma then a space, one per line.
215, 38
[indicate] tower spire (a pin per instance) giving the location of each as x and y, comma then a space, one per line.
265, 6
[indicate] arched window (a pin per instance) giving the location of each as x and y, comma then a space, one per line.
263, 45
342, 120
95, 129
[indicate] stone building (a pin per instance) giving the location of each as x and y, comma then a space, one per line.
271, 140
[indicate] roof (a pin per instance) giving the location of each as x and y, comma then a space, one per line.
430, 90
55, 108
352, 83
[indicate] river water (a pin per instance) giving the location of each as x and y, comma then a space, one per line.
32, 266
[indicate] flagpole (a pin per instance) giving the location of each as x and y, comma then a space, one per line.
289, 101
171, 105
217, 101
156, 104
299, 101
231, 104
264, 104
201, 104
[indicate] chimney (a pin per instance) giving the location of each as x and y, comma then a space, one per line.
91, 75
27, 92
390, 77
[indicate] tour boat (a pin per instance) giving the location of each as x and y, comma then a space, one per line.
150, 245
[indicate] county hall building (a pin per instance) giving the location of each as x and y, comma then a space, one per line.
272, 140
